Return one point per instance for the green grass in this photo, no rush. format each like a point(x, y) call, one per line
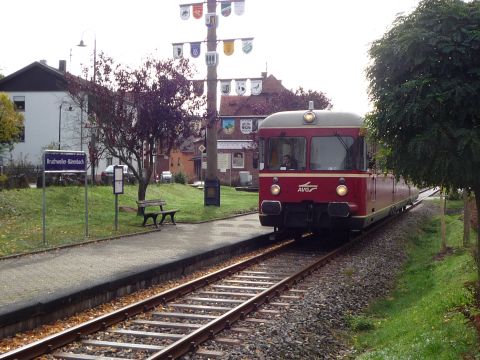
point(422, 318)
point(21, 213)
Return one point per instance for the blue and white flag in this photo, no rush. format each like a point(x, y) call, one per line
point(247, 45)
point(178, 51)
point(256, 86)
point(226, 8)
point(240, 86)
point(184, 12)
point(195, 49)
point(239, 7)
point(225, 86)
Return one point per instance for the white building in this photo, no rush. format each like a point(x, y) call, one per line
point(52, 119)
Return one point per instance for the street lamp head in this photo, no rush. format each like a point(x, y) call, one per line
point(81, 44)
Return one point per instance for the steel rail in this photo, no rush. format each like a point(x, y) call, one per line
point(191, 341)
point(48, 344)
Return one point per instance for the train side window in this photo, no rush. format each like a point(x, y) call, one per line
point(261, 153)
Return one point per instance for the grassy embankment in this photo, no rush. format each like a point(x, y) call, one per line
point(424, 316)
point(21, 213)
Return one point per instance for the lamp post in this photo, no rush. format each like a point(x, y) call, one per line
point(82, 44)
point(60, 121)
point(92, 144)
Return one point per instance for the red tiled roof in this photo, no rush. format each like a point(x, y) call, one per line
point(244, 105)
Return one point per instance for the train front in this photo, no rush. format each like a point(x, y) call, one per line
point(312, 171)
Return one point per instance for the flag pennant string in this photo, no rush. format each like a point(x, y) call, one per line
point(225, 9)
point(226, 86)
point(228, 47)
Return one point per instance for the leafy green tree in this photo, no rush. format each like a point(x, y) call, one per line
point(425, 88)
point(11, 123)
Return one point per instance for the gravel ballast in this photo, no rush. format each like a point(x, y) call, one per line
point(313, 327)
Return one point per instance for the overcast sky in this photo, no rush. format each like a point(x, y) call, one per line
point(317, 44)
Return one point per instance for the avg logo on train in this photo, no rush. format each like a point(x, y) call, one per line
point(307, 187)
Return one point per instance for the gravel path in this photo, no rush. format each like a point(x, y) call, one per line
point(313, 327)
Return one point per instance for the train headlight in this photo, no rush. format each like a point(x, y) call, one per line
point(342, 190)
point(309, 117)
point(275, 189)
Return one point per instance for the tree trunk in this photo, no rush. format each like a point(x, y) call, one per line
point(443, 228)
point(142, 191)
point(466, 219)
point(476, 191)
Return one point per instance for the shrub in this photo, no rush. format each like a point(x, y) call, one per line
point(454, 194)
point(3, 181)
point(180, 178)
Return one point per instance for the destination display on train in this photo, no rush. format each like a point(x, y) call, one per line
point(65, 161)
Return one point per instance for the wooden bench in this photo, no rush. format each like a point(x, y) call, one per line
point(154, 214)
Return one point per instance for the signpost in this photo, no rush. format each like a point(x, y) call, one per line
point(61, 161)
point(201, 148)
point(117, 188)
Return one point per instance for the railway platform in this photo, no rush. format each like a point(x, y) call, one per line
point(41, 287)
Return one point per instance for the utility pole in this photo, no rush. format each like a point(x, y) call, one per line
point(212, 183)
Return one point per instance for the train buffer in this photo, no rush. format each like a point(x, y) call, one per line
point(154, 214)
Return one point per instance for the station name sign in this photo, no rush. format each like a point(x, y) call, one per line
point(65, 161)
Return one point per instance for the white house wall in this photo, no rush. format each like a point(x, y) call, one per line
point(42, 122)
point(41, 128)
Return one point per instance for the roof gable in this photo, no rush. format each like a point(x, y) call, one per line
point(35, 77)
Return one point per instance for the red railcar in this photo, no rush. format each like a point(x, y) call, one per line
point(314, 174)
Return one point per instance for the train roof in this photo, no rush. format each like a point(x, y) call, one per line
point(324, 118)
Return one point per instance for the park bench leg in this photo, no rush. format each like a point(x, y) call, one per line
point(163, 218)
point(172, 215)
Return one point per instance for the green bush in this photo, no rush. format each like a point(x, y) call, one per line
point(180, 178)
point(3, 181)
point(454, 194)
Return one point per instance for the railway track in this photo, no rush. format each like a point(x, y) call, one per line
point(178, 321)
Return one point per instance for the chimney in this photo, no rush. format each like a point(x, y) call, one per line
point(264, 74)
point(43, 61)
point(62, 66)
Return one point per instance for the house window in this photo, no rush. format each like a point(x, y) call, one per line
point(19, 102)
point(178, 162)
point(109, 161)
point(238, 160)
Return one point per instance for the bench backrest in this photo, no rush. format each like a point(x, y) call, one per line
point(145, 203)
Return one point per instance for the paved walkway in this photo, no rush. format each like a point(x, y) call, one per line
point(34, 279)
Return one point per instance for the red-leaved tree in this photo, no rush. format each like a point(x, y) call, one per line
point(289, 100)
point(137, 112)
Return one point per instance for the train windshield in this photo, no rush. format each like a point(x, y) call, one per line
point(286, 153)
point(337, 153)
